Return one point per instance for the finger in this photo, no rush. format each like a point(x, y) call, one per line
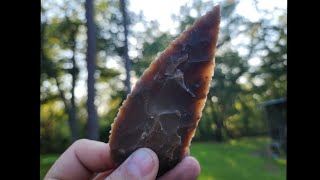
point(103, 175)
point(81, 160)
point(142, 164)
point(187, 169)
point(106, 174)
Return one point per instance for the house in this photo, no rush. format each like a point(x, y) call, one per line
point(276, 114)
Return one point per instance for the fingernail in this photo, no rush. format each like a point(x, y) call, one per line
point(140, 164)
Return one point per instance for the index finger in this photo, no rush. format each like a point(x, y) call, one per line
point(81, 160)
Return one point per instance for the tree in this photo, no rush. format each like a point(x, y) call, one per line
point(226, 91)
point(74, 73)
point(65, 31)
point(126, 56)
point(60, 75)
point(272, 51)
point(93, 131)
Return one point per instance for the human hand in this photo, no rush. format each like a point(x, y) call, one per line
point(87, 159)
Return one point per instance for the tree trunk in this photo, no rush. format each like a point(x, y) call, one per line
point(74, 127)
point(91, 67)
point(126, 56)
point(218, 120)
point(71, 115)
point(70, 110)
point(218, 133)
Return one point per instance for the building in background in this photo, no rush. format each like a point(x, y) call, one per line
point(276, 114)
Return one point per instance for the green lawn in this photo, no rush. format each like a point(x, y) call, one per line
point(46, 162)
point(242, 160)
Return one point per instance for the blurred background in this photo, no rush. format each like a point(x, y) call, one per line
point(93, 53)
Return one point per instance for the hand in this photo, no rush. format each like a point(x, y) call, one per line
point(87, 159)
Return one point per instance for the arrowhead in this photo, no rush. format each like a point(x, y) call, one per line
point(165, 106)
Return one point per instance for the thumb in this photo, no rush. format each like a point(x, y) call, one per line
point(142, 164)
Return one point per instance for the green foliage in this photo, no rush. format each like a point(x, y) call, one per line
point(54, 129)
point(230, 104)
point(106, 74)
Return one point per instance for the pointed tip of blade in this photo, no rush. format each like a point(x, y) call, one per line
point(211, 19)
point(203, 35)
point(217, 7)
point(214, 13)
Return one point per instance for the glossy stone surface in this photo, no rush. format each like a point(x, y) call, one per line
point(165, 106)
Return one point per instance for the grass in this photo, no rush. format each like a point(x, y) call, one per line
point(242, 159)
point(46, 161)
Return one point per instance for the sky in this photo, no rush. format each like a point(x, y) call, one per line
point(162, 10)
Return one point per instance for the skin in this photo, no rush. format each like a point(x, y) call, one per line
point(86, 159)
